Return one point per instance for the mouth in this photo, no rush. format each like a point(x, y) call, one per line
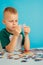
point(13, 26)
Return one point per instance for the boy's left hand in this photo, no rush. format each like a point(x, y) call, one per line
point(26, 29)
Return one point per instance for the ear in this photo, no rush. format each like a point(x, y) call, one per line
point(3, 21)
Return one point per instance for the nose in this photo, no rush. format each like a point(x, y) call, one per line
point(13, 23)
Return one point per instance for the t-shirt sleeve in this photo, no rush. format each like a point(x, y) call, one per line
point(3, 39)
point(23, 38)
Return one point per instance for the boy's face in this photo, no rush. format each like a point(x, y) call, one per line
point(10, 20)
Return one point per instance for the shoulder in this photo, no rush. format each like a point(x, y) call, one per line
point(4, 33)
point(3, 30)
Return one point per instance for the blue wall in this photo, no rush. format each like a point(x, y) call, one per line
point(30, 13)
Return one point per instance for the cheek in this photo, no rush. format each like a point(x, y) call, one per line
point(17, 23)
point(8, 24)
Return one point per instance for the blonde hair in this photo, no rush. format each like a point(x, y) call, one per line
point(11, 10)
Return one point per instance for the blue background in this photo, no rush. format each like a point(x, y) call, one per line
point(31, 13)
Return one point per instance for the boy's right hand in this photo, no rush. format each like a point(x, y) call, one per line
point(17, 30)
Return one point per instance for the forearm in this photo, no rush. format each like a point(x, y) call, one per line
point(27, 43)
point(11, 46)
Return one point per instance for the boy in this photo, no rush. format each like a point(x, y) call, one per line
point(10, 35)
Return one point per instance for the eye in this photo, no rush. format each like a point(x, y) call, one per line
point(11, 21)
point(16, 20)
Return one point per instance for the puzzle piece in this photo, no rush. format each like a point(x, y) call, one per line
point(26, 53)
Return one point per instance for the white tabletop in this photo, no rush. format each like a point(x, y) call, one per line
point(5, 61)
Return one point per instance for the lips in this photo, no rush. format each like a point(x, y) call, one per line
point(13, 27)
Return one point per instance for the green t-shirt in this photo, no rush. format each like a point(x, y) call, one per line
point(4, 37)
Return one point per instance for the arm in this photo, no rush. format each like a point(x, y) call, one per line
point(11, 46)
point(27, 40)
point(27, 43)
point(8, 45)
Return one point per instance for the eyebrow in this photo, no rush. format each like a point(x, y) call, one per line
point(12, 20)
